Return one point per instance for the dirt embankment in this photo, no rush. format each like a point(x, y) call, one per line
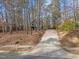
point(70, 41)
point(20, 38)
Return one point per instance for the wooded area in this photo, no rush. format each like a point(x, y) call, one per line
point(23, 15)
point(31, 17)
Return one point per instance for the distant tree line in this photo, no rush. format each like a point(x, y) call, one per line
point(16, 15)
point(29, 15)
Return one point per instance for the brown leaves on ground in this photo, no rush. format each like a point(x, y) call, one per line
point(61, 34)
point(71, 41)
point(20, 38)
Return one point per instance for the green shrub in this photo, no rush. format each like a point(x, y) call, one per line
point(77, 25)
point(67, 25)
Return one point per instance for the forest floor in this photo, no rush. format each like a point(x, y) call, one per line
point(15, 39)
point(48, 48)
point(61, 34)
point(70, 40)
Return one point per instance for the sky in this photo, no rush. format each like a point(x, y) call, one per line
point(48, 2)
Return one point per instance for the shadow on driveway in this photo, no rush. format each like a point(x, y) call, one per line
point(14, 55)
